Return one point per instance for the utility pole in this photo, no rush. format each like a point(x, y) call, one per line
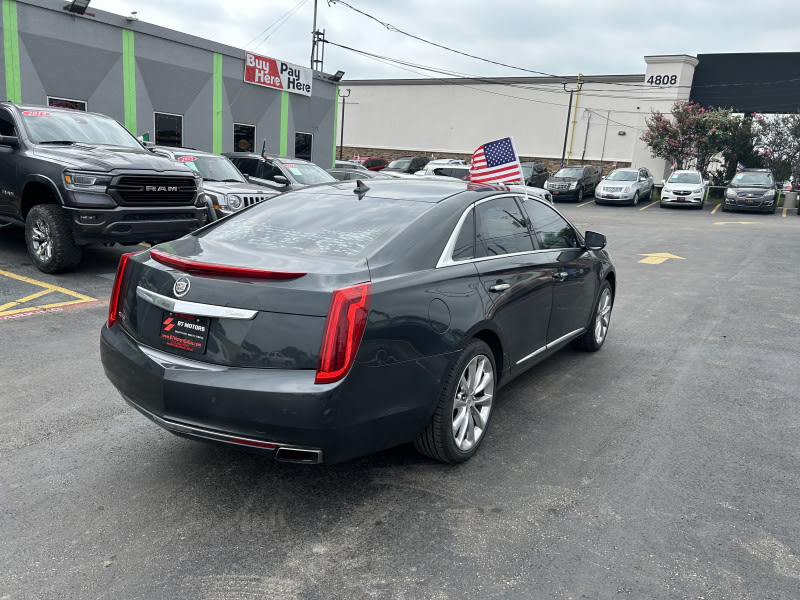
point(578, 86)
point(317, 39)
point(341, 127)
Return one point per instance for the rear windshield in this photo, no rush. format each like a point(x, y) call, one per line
point(322, 224)
point(400, 163)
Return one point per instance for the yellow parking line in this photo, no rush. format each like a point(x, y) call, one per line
point(784, 211)
point(23, 300)
point(585, 203)
point(716, 208)
point(649, 205)
point(48, 288)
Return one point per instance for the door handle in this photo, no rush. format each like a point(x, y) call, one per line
point(560, 276)
point(499, 287)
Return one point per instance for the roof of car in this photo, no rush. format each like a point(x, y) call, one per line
point(281, 159)
point(180, 150)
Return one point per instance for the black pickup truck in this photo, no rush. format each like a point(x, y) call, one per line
point(72, 178)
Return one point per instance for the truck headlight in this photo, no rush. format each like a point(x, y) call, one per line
point(234, 201)
point(86, 182)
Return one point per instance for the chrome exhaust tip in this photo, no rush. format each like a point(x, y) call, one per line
point(298, 455)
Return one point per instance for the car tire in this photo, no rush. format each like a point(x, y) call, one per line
point(650, 193)
point(594, 337)
point(462, 414)
point(702, 204)
point(580, 195)
point(635, 200)
point(49, 239)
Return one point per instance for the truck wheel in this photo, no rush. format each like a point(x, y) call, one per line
point(49, 239)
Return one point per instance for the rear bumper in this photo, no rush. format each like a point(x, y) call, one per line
point(277, 410)
point(126, 225)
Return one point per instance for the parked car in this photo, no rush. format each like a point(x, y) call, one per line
point(684, 188)
point(352, 174)
point(536, 192)
point(625, 186)
point(374, 163)
point(405, 307)
point(450, 168)
point(535, 173)
point(72, 178)
point(407, 164)
point(349, 164)
point(279, 173)
point(223, 184)
point(572, 183)
point(751, 190)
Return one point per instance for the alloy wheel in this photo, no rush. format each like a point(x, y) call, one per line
point(472, 403)
point(603, 316)
point(42, 240)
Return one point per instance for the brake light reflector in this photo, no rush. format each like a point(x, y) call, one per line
point(195, 267)
point(115, 301)
point(347, 318)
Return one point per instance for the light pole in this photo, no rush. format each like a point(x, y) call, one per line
point(569, 113)
point(341, 127)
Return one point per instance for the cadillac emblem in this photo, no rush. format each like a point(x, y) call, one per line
point(181, 287)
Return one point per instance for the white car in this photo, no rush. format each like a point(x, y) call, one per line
point(534, 192)
point(454, 168)
point(626, 186)
point(684, 188)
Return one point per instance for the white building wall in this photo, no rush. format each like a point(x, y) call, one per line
point(455, 116)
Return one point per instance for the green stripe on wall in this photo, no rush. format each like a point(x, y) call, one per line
point(284, 123)
point(216, 125)
point(11, 51)
point(129, 81)
point(335, 125)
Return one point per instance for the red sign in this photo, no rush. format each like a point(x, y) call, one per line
point(35, 113)
point(187, 158)
point(278, 74)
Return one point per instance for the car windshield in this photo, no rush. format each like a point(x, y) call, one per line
point(307, 173)
point(620, 175)
point(685, 178)
point(527, 171)
point(212, 168)
point(760, 178)
point(70, 127)
point(400, 163)
point(570, 172)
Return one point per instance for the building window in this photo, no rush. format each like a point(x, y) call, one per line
point(244, 138)
point(66, 103)
point(302, 145)
point(169, 129)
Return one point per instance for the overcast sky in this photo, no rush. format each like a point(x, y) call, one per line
point(560, 37)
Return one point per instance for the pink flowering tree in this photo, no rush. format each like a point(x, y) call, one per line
point(689, 136)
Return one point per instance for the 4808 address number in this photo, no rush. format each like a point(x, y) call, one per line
point(662, 79)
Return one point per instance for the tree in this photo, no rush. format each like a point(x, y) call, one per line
point(690, 136)
point(777, 140)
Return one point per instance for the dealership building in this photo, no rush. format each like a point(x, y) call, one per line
point(169, 87)
point(176, 89)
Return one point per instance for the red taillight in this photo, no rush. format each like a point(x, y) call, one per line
point(199, 268)
point(115, 302)
point(347, 317)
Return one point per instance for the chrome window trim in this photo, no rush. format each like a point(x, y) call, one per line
point(194, 308)
point(446, 260)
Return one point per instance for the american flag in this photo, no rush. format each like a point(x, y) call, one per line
point(496, 161)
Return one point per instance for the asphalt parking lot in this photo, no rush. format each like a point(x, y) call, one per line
point(664, 466)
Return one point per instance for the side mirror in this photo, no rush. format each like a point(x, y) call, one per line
point(9, 140)
point(603, 177)
point(594, 241)
point(280, 179)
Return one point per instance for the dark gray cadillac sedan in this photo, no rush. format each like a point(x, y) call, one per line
point(343, 319)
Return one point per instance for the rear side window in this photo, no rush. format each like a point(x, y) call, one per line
point(501, 228)
point(550, 228)
point(266, 170)
point(246, 165)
